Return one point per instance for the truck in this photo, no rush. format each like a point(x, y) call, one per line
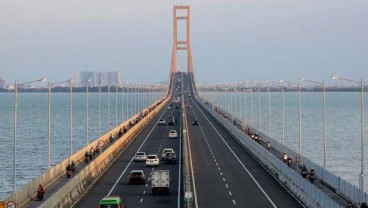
point(160, 182)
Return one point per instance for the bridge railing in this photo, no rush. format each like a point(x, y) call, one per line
point(28, 192)
point(334, 182)
point(301, 188)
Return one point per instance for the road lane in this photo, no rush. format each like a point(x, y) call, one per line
point(225, 172)
point(151, 140)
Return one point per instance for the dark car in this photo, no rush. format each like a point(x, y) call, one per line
point(170, 158)
point(137, 177)
point(172, 121)
point(195, 123)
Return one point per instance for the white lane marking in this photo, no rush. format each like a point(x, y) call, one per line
point(226, 185)
point(146, 185)
point(191, 166)
point(234, 201)
point(219, 168)
point(180, 144)
point(223, 179)
point(230, 193)
point(255, 181)
point(144, 192)
point(216, 164)
point(139, 148)
point(141, 200)
point(220, 173)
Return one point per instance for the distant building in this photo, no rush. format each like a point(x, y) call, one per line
point(105, 78)
point(113, 78)
point(87, 78)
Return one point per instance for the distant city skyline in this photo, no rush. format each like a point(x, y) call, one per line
point(231, 40)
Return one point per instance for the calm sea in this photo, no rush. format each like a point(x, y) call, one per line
point(32, 128)
point(343, 121)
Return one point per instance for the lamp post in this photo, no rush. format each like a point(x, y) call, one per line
point(108, 106)
point(361, 176)
point(99, 107)
point(116, 104)
point(259, 105)
point(87, 110)
point(50, 85)
point(269, 107)
point(299, 115)
point(15, 125)
point(324, 117)
point(283, 109)
point(251, 102)
point(71, 117)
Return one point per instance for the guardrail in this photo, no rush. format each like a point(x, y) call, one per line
point(95, 168)
point(306, 192)
point(332, 181)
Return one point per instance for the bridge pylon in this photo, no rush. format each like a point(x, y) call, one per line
point(181, 44)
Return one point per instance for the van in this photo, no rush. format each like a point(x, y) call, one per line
point(111, 202)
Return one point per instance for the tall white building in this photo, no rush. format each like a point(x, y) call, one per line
point(86, 77)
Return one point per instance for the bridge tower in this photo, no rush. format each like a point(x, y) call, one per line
point(181, 44)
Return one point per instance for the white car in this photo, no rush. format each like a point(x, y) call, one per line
point(161, 121)
point(140, 156)
point(166, 150)
point(152, 160)
point(173, 134)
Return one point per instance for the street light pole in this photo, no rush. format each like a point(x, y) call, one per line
point(283, 109)
point(361, 176)
point(87, 110)
point(324, 118)
point(269, 107)
point(116, 104)
point(99, 107)
point(15, 126)
point(108, 106)
point(50, 85)
point(71, 117)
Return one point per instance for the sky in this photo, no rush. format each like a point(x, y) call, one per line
point(232, 40)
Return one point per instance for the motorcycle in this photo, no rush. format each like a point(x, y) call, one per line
point(86, 158)
point(111, 138)
point(40, 195)
point(304, 173)
point(284, 157)
point(69, 173)
point(289, 162)
point(312, 175)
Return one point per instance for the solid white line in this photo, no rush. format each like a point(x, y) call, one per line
point(191, 166)
point(255, 181)
point(180, 141)
point(121, 175)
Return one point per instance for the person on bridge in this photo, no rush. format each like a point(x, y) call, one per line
point(73, 165)
point(40, 192)
point(111, 138)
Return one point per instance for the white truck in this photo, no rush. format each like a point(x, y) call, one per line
point(160, 181)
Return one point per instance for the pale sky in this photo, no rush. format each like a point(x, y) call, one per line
point(232, 40)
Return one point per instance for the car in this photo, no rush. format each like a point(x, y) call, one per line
point(152, 160)
point(177, 106)
point(140, 156)
point(188, 106)
point(168, 107)
point(166, 150)
point(195, 123)
point(111, 201)
point(173, 134)
point(161, 121)
point(172, 121)
point(137, 177)
point(170, 157)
